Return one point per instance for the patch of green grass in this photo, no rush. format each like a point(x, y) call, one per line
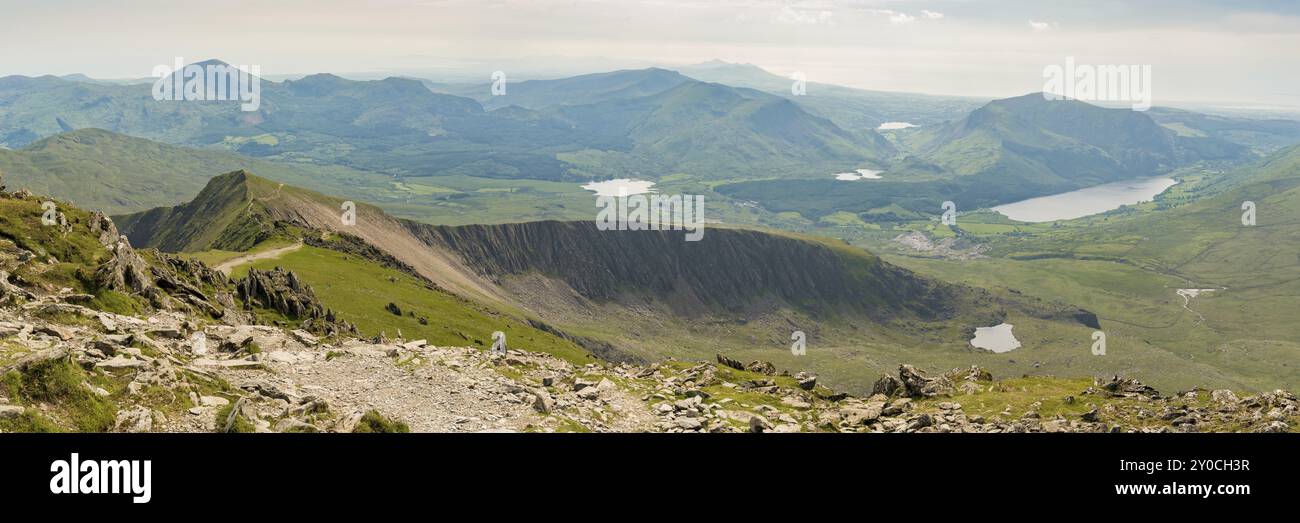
point(448, 315)
point(61, 383)
point(66, 318)
point(374, 422)
point(569, 426)
point(117, 303)
point(29, 421)
point(241, 426)
point(166, 400)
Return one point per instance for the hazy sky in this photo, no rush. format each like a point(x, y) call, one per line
point(1244, 51)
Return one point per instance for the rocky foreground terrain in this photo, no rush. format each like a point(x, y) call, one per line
point(96, 336)
point(98, 370)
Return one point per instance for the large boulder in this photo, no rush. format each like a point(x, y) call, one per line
point(137, 420)
point(762, 367)
point(973, 373)
point(886, 386)
point(728, 362)
point(806, 380)
point(918, 385)
point(1125, 387)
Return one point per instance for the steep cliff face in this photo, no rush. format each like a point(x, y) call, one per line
point(729, 270)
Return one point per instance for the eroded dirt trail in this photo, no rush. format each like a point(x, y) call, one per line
point(229, 265)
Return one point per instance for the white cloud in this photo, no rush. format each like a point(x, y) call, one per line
point(797, 16)
point(932, 15)
point(1041, 26)
point(895, 17)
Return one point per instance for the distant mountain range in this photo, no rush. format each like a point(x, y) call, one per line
point(856, 109)
point(395, 141)
point(399, 127)
point(1005, 151)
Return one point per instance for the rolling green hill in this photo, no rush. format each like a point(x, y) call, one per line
point(1006, 151)
point(117, 174)
point(1128, 267)
point(712, 131)
point(1262, 136)
point(576, 90)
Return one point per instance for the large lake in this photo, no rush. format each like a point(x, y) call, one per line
point(1086, 202)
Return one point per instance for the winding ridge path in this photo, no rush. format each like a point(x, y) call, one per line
point(229, 265)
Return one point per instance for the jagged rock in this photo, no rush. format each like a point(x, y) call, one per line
point(919, 422)
point(281, 291)
point(119, 362)
point(240, 364)
point(10, 329)
point(10, 293)
point(582, 383)
point(688, 423)
point(866, 413)
point(125, 271)
point(806, 380)
point(213, 401)
point(1225, 397)
point(723, 360)
point(10, 411)
point(1274, 427)
point(887, 386)
point(60, 332)
point(271, 390)
point(688, 403)
point(1126, 387)
point(917, 384)
point(1092, 415)
point(897, 407)
point(761, 367)
point(974, 373)
point(309, 405)
point(135, 420)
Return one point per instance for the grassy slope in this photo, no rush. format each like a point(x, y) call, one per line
point(1128, 266)
point(451, 320)
point(118, 174)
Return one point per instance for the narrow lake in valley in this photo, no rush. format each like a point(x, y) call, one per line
point(620, 187)
point(1086, 202)
point(860, 174)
